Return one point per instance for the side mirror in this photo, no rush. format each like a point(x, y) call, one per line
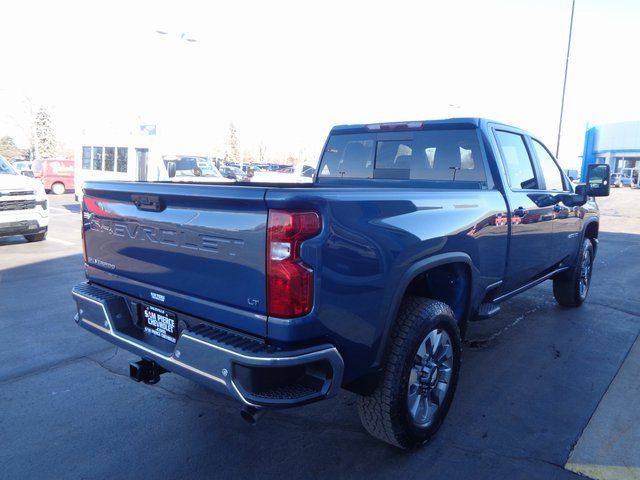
point(598, 180)
point(171, 169)
point(27, 173)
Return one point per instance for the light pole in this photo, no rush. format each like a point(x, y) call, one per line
point(566, 70)
point(173, 44)
point(183, 36)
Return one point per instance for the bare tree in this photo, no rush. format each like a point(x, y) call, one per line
point(8, 148)
point(262, 153)
point(22, 118)
point(232, 154)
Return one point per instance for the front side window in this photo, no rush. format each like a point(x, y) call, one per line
point(6, 168)
point(550, 170)
point(517, 161)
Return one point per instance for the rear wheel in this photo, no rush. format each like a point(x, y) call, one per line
point(58, 188)
point(570, 289)
point(36, 237)
point(419, 378)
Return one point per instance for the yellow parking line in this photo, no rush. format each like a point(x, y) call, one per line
point(605, 472)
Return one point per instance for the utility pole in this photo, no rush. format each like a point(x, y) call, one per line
point(566, 70)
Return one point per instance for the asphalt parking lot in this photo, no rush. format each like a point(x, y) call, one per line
point(542, 389)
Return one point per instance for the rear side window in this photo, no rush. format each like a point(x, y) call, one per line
point(422, 155)
point(550, 170)
point(517, 160)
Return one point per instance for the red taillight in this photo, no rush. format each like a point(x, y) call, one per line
point(289, 280)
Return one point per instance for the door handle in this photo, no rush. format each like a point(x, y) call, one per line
point(520, 212)
point(150, 203)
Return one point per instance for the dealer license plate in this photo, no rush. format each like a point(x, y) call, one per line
point(159, 322)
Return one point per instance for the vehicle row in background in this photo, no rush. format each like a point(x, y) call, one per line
point(626, 177)
point(141, 162)
point(56, 174)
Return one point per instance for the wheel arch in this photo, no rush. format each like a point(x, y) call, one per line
point(590, 231)
point(58, 182)
point(455, 261)
point(458, 262)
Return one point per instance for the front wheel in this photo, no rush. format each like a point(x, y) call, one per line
point(36, 237)
point(58, 188)
point(419, 378)
point(570, 289)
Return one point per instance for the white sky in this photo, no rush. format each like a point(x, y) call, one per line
point(285, 72)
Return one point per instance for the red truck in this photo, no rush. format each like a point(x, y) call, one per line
point(56, 174)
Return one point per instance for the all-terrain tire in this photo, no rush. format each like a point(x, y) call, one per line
point(385, 413)
point(569, 289)
point(36, 237)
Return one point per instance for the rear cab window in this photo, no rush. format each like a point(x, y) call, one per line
point(348, 156)
point(432, 155)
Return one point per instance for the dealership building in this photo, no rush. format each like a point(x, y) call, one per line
point(616, 144)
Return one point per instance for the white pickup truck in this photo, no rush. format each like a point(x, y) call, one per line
point(23, 205)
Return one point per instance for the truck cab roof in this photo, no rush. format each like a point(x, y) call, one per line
point(478, 122)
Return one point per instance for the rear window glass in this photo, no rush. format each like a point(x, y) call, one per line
point(424, 155)
point(348, 156)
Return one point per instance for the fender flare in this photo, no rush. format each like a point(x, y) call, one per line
point(408, 275)
point(586, 224)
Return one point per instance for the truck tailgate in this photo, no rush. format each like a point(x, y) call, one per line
point(199, 249)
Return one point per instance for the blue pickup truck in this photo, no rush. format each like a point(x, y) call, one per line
point(278, 295)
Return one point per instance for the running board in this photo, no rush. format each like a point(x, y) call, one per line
point(487, 310)
point(529, 285)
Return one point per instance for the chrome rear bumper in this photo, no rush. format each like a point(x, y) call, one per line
point(241, 367)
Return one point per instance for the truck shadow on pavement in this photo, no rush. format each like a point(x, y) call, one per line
point(531, 379)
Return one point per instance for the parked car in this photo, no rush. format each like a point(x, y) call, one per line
point(365, 279)
point(23, 205)
point(300, 173)
point(233, 173)
point(186, 168)
point(56, 174)
point(628, 177)
point(616, 179)
point(24, 167)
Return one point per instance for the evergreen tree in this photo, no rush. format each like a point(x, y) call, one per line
point(45, 135)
